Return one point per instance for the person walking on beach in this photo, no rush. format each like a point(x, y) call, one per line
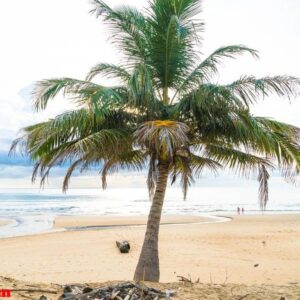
point(238, 210)
point(243, 211)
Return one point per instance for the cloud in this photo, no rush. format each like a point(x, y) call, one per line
point(14, 160)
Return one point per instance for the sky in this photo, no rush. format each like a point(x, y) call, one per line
point(59, 38)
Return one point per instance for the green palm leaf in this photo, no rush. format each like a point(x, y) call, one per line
point(109, 71)
point(83, 92)
point(209, 66)
point(128, 29)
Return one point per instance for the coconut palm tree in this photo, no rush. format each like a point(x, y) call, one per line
point(166, 113)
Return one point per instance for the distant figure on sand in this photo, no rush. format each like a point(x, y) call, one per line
point(238, 210)
point(243, 210)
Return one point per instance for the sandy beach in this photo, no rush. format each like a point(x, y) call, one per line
point(246, 250)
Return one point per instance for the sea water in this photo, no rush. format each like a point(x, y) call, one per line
point(33, 211)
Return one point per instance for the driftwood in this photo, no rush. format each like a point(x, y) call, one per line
point(123, 246)
point(184, 279)
point(124, 291)
point(34, 291)
point(188, 280)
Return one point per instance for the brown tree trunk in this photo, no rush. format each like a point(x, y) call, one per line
point(148, 266)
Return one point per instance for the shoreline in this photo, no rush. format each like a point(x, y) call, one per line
point(94, 222)
point(26, 225)
point(99, 222)
point(211, 251)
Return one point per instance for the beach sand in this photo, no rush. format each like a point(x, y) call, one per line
point(109, 221)
point(249, 250)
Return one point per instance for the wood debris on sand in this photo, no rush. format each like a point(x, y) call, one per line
point(123, 246)
point(124, 291)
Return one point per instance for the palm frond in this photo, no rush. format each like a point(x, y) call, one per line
point(128, 27)
point(132, 160)
point(184, 168)
point(141, 91)
point(199, 163)
point(187, 165)
point(276, 140)
point(83, 92)
point(108, 71)
point(263, 178)
point(69, 174)
point(248, 88)
point(174, 35)
point(209, 66)
point(242, 162)
point(186, 10)
point(152, 176)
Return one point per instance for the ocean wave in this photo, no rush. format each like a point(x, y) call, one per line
point(29, 208)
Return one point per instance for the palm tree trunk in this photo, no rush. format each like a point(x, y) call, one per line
point(166, 95)
point(148, 266)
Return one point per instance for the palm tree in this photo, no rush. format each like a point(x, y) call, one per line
point(167, 113)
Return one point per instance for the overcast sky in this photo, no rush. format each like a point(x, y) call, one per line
point(59, 38)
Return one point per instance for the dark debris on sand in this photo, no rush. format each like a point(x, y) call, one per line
point(124, 291)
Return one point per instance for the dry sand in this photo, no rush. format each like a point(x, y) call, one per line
point(249, 250)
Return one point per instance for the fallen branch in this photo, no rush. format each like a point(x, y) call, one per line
point(185, 279)
point(34, 291)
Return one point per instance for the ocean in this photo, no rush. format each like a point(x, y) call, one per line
point(32, 211)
